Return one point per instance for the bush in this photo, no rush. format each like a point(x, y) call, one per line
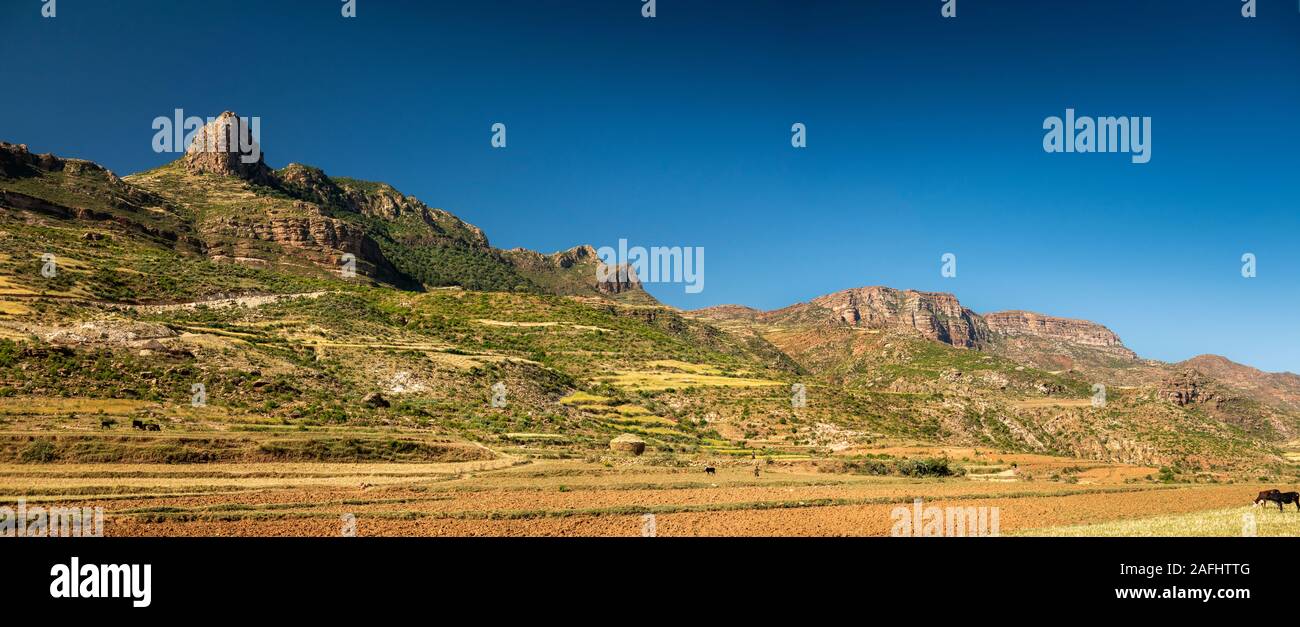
point(932, 467)
point(38, 452)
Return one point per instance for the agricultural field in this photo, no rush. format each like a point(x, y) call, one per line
point(299, 483)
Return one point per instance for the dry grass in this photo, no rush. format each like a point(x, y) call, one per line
point(660, 381)
point(1230, 522)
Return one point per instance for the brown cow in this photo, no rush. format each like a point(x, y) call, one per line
point(1265, 496)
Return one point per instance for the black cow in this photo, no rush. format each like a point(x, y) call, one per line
point(710, 470)
point(1279, 497)
point(153, 427)
point(137, 424)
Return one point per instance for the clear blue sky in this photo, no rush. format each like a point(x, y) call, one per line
point(925, 136)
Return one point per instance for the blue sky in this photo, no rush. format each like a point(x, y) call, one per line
point(924, 136)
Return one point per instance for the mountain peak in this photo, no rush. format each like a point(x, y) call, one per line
point(229, 145)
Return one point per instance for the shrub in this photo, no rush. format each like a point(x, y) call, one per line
point(37, 452)
point(932, 467)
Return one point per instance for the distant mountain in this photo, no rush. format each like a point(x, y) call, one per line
point(908, 346)
point(933, 315)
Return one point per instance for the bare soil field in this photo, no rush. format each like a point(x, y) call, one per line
point(512, 496)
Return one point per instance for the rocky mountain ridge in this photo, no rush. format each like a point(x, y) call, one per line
point(937, 316)
point(224, 202)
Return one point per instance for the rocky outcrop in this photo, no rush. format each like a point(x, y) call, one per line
point(579, 271)
point(375, 400)
point(305, 232)
point(379, 200)
point(1189, 387)
point(324, 239)
point(619, 279)
point(16, 161)
point(1016, 324)
point(227, 146)
point(531, 260)
point(935, 315)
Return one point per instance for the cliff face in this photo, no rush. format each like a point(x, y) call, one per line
point(217, 148)
point(1079, 332)
point(323, 240)
point(935, 315)
point(941, 317)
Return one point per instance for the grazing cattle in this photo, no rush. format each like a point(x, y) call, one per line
point(153, 427)
point(710, 470)
point(1279, 497)
point(1288, 497)
point(137, 424)
point(107, 423)
point(1265, 496)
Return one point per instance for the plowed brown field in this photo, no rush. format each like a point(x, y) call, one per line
point(552, 498)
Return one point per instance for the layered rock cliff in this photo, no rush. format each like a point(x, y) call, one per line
point(1066, 330)
point(935, 315)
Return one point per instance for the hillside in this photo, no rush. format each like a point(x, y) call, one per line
point(1017, 380)
point(119, 295)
